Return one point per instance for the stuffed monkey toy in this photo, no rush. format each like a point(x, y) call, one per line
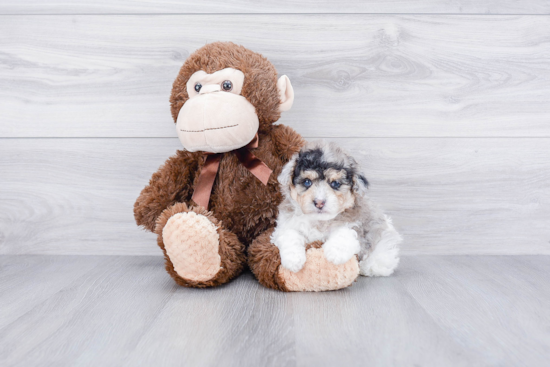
point(214, 204)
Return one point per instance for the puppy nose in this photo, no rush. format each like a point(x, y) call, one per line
point(319, 203)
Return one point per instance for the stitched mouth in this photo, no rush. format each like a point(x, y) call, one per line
point(212, 128)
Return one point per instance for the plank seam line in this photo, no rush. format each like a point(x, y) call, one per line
point(253, 14)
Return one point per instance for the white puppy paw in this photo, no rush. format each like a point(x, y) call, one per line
point(291, 248)
point(293, 259)
point(341, 246)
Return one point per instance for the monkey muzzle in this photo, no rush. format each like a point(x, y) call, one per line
point(216, 121)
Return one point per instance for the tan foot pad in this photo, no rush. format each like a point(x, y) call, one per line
point(318, 274)
point(191, 241)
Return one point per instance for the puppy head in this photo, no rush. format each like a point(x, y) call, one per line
point(322, 180)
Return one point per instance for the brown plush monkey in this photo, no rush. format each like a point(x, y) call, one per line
point(214, 204)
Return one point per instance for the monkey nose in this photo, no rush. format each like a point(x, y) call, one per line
point(209, 88)
point(319, 203)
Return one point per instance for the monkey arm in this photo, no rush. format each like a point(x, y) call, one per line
point(172, 183)
point(287, 141)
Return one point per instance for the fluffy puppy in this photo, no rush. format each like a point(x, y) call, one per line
point(325, 200)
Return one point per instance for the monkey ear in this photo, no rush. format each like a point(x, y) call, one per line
point(286, 93)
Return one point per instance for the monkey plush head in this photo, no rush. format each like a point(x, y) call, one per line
point(224, 94)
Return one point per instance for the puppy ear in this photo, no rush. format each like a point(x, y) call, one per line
point(360, 183)
point(285, 178)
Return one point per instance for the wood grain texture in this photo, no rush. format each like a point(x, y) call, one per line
point(447, 196)
point(281, 6)
point(354, 75)
point(126, 311)
point(29, 281)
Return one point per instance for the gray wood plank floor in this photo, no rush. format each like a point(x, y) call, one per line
point(126, 311)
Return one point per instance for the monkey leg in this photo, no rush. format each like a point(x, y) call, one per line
point(317, 275)
point(199, 252)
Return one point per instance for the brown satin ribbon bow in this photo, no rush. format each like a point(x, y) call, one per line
point(202, 192)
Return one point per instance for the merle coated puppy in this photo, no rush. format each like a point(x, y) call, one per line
point(325, 200)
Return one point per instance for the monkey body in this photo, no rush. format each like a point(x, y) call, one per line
point(223, 96)
point(246, 206)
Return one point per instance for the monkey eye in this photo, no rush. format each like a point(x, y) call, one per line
point(306, 183)
point(227, 85)
point(335, 185)
point(198, 87)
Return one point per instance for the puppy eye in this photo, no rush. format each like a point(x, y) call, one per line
point(227, 85)
point(335, 185)
point(198, 87)
point(306, 183)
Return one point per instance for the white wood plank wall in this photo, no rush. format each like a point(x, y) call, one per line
point(445, 103)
